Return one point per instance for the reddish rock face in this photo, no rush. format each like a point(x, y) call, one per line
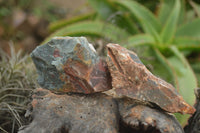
point(130, 78)
point(71, 64)
point(86, 79)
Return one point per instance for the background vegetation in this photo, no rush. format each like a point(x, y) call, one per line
point(17, 81)
point(164, 33)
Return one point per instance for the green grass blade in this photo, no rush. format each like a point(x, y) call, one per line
point(141, 13)
point(187, 81)
point(140, 39)
point(61, 23)
point(169, 29)
point(191, 29)
point(93, 29)
point(3, 130)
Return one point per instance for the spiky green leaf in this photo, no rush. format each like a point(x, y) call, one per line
point(165, 10)
point(110, 13)
point(104, 8)
point(140, 39)
point(61, 23)
point(163, 60)
point(141, 13)
point(93, 29)
point(187, 43)
point(187, 81)
point(149, 29)
point(191, 29)
point(169, 29)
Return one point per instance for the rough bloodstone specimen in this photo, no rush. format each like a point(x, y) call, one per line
point(130, 78)
point(95, 113)
point(70, 64)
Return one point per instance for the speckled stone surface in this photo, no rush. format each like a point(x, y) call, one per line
point(70, 64)
point(130, 78)
point(95, 113)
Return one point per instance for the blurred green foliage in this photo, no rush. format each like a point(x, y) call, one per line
point(164, 34)
point(44, 9)
point(48, 11)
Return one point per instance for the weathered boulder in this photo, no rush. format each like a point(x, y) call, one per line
point(70, 64)
point(95, 113)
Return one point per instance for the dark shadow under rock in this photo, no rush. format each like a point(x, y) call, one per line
point(143, 119)
point(194, 122)
point(95, 113)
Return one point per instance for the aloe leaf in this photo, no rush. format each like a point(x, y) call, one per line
point(183, 12)
point(187, 81)
point(103, 7)
point(169, 29)
point(93, 29)
point(141, 13)
point(149, 29)
point(61, 23)
point(110, 13)
point(187, 43)
point(191, 29)
point(163, 60)
point(189, 47)
point(183, 76)
point(164, 10)
point(140, 39)
point(186, 40)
